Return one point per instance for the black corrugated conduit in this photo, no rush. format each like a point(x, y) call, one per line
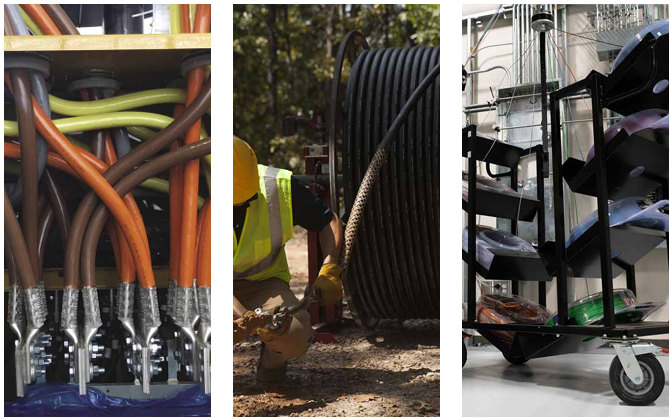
point(392, 113)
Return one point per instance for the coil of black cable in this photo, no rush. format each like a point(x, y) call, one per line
point(394, 270)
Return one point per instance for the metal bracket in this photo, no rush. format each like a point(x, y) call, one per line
point(627, 350)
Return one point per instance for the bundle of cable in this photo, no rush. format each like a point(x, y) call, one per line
point(635, 211)
point(657, 29)
point(656, 119)
point(589, 310)
point(491, 238)
point(504, 309)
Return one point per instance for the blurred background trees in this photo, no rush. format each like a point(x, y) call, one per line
point(283, 59)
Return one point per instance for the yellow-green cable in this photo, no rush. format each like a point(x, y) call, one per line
point(118, 103)
point(193, 6)
point(30, 23)
point(142, 133)
point(175, 16)
point(103, 121)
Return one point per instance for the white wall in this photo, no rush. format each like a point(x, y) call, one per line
point(652, 271)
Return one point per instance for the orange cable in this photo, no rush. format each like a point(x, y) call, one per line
point(187, 250)
point(127, 272)
point(41, 18)
point(204, 269)
point(176, 180)
point(101, 187)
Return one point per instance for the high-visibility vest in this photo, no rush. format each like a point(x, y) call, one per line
point(259, 253)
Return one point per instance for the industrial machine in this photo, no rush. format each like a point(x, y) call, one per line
point(624, 163)
point(107, 163)
point(379, 170)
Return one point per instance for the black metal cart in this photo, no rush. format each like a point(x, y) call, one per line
point(636, 376)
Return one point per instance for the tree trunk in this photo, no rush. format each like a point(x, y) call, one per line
point(272, 61)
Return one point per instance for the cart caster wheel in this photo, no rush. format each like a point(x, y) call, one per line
point(515, 360)
point(465, 355)
point(645, 393)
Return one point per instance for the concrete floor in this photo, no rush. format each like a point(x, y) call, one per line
point(567, 385)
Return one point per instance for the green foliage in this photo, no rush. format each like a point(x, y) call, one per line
point(283, 59)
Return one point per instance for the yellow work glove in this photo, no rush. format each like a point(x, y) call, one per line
point(329, 284)
point(268, 335)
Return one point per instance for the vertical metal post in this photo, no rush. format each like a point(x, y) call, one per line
point(472, 225)
point(469, 88)
point(514, 182)
point(603, 204)
point(559, 216)
point(630, 279)
point(543, 97)
point(541, 217)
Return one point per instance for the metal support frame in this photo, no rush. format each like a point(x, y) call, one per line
point(472, 226)
point(316, 163)
point(594, 82)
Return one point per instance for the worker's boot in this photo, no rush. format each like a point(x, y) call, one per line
point(269, 375)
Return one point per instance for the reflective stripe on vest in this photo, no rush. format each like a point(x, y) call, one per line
point(272, 198)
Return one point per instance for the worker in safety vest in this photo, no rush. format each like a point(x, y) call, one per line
point(267, 204)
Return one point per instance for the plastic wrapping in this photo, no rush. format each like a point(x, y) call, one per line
point(486, 184)
point(491, 238)
point(656, 119)
point(505, 309)
point(64, 400)
point(636, 211)
point(589, 310)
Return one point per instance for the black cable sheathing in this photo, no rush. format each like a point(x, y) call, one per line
point(394, 271)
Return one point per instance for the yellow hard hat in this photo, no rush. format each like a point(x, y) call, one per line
point(245, 171)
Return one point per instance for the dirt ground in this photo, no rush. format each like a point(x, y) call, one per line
point(392, 371)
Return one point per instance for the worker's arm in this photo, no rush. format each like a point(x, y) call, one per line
point(330, 239)
point(328, 283)
point(238, 309)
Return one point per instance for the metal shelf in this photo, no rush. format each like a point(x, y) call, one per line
point(513, 266)
point(636, 165)
point(140, 61)
point(492, 151)
point(647, 62)
point(504, 205)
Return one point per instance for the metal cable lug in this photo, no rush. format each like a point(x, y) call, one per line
point(125, 305)
point(204, 298)
point(19, 370)
point(205, 368)
point(185, 314)
point(149, 314)
point(92, 321)
point(82, 369)
point(16, 315)
point(146, 370)
point(36, 311)
point(69, 311)
point(171, 286)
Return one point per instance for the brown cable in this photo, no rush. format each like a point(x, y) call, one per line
point(124, 186)
point(42, 201)
point(29, 174)
point(61, 19)
point(12, 275)
point(44, 226)
point(18, 247)
point(57, 204)
point(143, 152)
